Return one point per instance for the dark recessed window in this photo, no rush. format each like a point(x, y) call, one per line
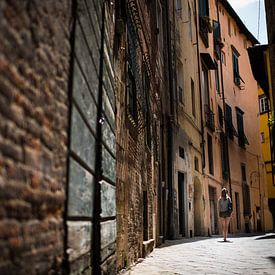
point(236, 72)
point(263, 104)
point(220, 113)
point(193, 98)
point(210, 154)
point(240, 123)
point(181, 152)
point(196, 162)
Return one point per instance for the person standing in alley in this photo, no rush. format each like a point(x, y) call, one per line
point(225, 208)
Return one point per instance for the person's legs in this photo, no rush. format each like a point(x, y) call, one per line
point(223, 227)
point(226, 225)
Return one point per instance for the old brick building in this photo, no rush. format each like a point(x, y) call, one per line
point(101, 159)
point(87, 104)
point(143, 115)
point(57, 142)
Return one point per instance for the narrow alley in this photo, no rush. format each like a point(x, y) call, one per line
point(202, 255)
point(126, 125)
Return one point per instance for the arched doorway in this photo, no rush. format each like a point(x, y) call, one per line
point(198, 208)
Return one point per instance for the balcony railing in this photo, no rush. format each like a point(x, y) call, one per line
point(209, 118)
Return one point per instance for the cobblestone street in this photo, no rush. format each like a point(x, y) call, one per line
point(240, 255)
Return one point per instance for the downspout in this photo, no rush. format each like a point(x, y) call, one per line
point(260, 195)
point(270, 144)
point(96, 236)
point(170, 149)
point(200, 92)
point(224, 108)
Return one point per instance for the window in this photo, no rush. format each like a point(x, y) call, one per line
point(204, 21)
point(178, 7)
point(246, 192)
point(217, 79)
point(196, 163)
point(131, 93)
point(208, 110)
point(262, 137)
point(237, 198)
point(180, 94)
point(220, 113)
point(235, 62)
point(210, 154)
point(181, 152)
point(180, 82)
point(131, 89)
point(205, 85)
point(217, 38)
point(146, 90)
point(263, 104)
point(231, 131)
point(190, 21)
point(224, 156)
point(193, 98)
point(243, 172)
point(203, 8)
point(241, 135)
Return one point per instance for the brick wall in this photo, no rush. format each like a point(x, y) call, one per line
point(34, 68)
point(134, 157)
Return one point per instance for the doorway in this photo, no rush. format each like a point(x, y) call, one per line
point(181, 201)
point(213, 210)
point(198, 207)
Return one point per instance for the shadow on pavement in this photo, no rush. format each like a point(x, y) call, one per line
point(259, 236)
point(269, 236)
point(182, 241)
point(272, 259)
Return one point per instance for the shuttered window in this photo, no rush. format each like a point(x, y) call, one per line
point(235, 62)
point(203, 8)
point(240, 124)
point(229, 123)
point(224, 156)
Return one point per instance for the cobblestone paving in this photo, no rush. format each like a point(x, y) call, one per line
point(241, 255)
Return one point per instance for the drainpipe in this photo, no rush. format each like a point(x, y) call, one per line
point(270, 144)
point(96, 236)
point(170, 128)
point(260, 195)
point(200, 92)
point(224, 108)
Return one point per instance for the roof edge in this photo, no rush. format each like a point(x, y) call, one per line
point(239, 22)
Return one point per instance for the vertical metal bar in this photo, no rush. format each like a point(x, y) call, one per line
point(96, 236)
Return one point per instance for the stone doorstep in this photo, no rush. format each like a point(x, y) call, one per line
point(147, 247)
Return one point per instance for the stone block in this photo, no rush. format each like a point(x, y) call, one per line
point(81, 191)
point(108, 200)
point(79, 239)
